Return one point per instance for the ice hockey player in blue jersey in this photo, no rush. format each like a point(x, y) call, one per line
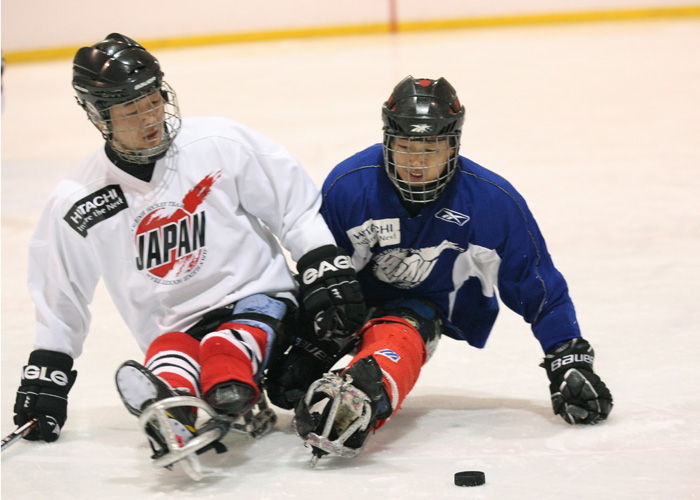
point(432, 236)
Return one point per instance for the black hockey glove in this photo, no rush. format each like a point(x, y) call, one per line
point(43, 393)
point(578, 394)
point(331, 293)
point(305, 362)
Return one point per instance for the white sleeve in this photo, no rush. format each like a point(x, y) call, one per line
point(275, 188)
point(63, 274)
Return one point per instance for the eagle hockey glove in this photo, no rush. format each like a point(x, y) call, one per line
point(331, 293)
point(43, 393)
point(578, 394)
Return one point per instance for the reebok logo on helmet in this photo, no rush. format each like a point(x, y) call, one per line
point(421, 128)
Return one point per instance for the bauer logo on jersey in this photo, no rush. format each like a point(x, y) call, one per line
point(384, 231)
point(451, 216)
point(95, 207)
point(170, 237)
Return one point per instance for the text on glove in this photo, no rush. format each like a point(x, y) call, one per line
point(339, 262)
point(572, 358)
point(44, 373)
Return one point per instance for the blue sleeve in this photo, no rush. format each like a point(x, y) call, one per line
point(332, 211)
point(528, 282)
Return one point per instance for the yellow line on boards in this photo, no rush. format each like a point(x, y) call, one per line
point(331, 31)
point(198, 41)
point(554, 18)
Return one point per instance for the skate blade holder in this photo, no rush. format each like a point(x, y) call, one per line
point(258, 420)
point(358, 404)
point(184, 453)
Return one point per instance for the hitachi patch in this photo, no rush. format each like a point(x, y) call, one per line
point(95, 208)
point(386, 232)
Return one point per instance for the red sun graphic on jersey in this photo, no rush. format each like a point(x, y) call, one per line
point(170, 237)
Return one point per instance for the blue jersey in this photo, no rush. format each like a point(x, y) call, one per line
point(478, 236)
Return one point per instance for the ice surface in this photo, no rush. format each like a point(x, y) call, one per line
point(598, 125)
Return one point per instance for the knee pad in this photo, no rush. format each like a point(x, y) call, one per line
point(421, 314)
point(269, 315)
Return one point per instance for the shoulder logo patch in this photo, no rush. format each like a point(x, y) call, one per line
point(451, 216)
point(95, 208)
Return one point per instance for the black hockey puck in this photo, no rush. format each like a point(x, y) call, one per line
point(470, 478)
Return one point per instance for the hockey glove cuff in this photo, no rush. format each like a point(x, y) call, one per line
point(331, 293)
point(43, 393)
point(578, 394)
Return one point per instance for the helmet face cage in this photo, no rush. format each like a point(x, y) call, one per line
point(420, 167)
point(422, 128)
point(142, 129)
point(120, 86)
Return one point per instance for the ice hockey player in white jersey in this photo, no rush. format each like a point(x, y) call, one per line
point(179, 218)
point(432, 236)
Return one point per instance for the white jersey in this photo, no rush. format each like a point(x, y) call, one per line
point(198, 236)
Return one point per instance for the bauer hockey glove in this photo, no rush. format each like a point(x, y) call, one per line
point(331, 293)
point(43, 393)
point(578, 394)
point(306, 361)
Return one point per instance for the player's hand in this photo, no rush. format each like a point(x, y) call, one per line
point(43, 394)
point(289, 377)
point(578, 394)
point(330, 293)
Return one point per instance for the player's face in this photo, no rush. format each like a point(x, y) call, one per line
point(420, 161)
point(138, 124)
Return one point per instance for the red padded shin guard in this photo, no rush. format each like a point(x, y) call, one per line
point(400, 352)
point(174, 357)
point(233, 352)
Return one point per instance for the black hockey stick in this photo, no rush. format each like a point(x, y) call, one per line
point(18, 434)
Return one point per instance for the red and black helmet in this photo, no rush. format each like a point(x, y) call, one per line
point(428, 113)
point(423, 107)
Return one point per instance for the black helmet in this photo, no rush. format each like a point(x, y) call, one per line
point(421, 107)
point(118, 70)
point(425, 111)
point(114, 71)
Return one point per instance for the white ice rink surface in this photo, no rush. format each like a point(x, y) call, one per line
point(598, 125)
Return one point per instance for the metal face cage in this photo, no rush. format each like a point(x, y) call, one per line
point(142, 129)
point(420, 167)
